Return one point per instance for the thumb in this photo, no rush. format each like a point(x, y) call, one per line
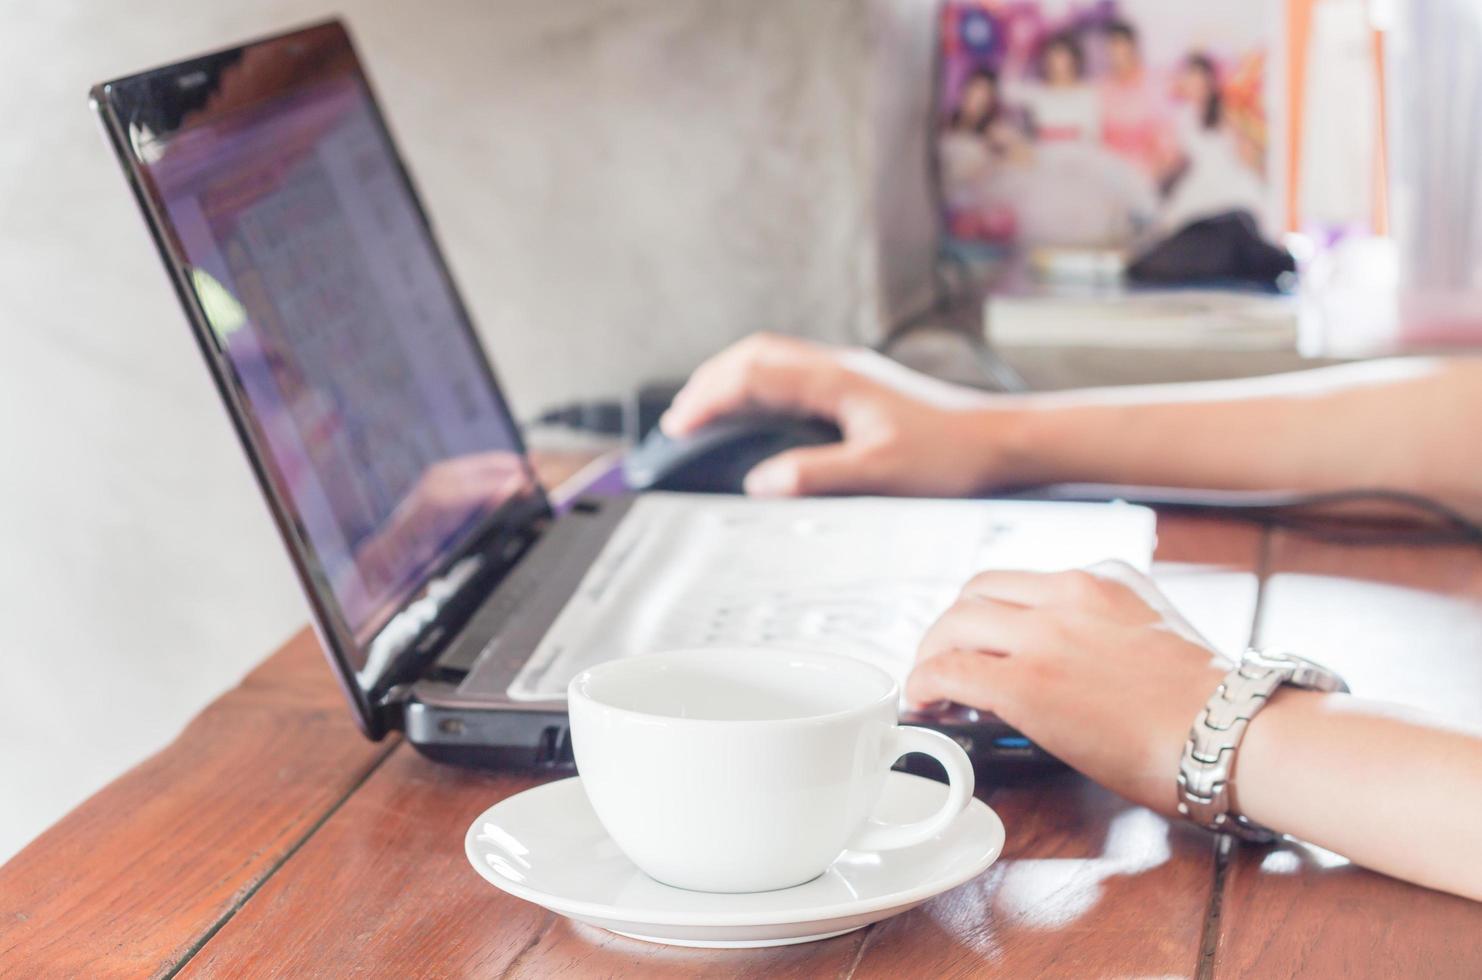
point(834, 468)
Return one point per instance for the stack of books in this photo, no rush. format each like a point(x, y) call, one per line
point(1162, 319)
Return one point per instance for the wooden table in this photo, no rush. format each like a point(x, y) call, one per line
point(271, 839)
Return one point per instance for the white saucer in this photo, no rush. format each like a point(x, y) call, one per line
point(546, 846)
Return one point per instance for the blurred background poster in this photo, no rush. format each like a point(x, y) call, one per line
point(1107, 124)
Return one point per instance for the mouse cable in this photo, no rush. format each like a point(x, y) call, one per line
point(1290, 510)
point(606, 417)
point(631, 417)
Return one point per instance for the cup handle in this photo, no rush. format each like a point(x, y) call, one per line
point(875, 836)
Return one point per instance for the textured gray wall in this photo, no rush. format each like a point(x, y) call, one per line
point(625, 186)
point(622, 188)
point(902, 221)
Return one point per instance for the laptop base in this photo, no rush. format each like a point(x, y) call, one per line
point(460, 712)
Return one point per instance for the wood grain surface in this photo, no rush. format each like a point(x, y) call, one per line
point(390, 889)
point(130, 882)
point(1404, 625)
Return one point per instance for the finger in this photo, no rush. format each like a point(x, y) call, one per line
point(979, 680)
point(778, 373)
point(984, 625)
point(836, 468)
point(1031, 588)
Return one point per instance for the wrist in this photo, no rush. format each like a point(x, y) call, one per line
point(1003, 440)
point(1215, 767)
point(1271, 750)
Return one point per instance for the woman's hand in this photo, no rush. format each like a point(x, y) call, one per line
point(1095, 666)
point(904, 433)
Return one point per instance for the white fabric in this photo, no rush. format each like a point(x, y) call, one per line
point(1216, 181)
point(1340, 112)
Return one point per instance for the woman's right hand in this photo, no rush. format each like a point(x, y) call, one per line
point(904, 433)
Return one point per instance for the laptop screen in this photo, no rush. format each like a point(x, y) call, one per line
point(369, 402)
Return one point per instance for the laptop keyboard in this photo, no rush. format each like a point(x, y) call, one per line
point(862, 577)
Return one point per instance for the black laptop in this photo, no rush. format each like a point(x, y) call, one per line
point(452, 602)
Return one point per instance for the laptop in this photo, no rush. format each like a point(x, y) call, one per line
point(453, 602)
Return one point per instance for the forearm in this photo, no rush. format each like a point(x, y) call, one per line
point(1405, 424)
point(1384, 787)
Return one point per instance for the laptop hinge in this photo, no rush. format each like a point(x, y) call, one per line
point(417, 635)
point(391, 708)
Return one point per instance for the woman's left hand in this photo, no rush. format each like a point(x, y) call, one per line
point(1094, 666)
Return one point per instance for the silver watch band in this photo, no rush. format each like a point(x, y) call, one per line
point(1205, 771)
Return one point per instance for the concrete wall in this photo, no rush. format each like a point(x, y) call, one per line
point(903, 221)
point(622, 186)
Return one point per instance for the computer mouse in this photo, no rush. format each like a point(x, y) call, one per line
point(716, 458)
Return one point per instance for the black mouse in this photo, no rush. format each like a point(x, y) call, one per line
point(716, 458)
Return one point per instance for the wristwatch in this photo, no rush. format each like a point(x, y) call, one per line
point(1204, 772)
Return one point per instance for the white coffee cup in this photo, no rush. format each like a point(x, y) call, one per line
point(745, 769)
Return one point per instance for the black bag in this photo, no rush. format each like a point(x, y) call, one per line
point(1221, 248)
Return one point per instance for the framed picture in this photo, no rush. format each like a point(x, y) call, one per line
point(1104, 124)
